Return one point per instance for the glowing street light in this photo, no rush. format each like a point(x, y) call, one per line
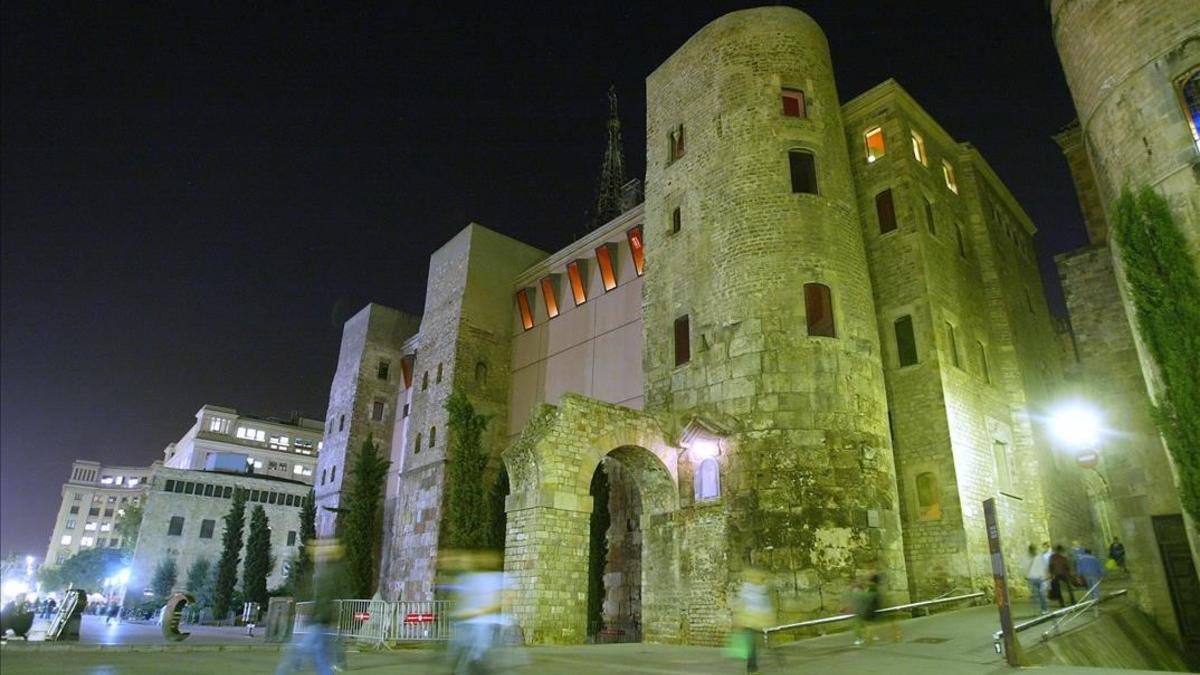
point(1077, 426)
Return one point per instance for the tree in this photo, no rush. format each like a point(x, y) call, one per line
point(1164, 287)
point(363, 517)
point(258, 558)
point(200, 582)
point(300, 579)
point(87, 570)
point(468, 521)
point(231, 551)
point(128, 526)
point(165, 575)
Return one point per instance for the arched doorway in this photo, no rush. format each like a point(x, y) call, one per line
point(614, 555)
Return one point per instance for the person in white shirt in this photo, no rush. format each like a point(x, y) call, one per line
point(1038, 571)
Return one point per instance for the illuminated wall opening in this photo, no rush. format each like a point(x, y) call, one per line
point(873, 140)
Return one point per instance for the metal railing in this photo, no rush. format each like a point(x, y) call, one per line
point(381, 622)
point(1061, 617)
point(940, 600)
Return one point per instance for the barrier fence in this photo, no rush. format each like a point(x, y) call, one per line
point(380, 621)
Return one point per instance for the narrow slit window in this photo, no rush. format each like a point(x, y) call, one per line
point(432, 436)
point(948, 173)
point(676, 147)
point(906, 341)
point(876, 148)
point(962, 241)
point(918, 144)
point(636, 249)
point(550, 295)
point(676, 220)
point(804, 172)
point(525, 308)
point(793, 103)
point(929, 219)
point(575, 276)
point(985, 371)
point(417, 445)
point(683, 336)
point(604, 260)
point(885, 210)
point(952, 345)
point(818, 310)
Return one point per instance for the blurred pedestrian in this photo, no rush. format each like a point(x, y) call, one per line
point(866, 601)
point(480, 626)
point(1116, 553)
point(1060, 576)
point(752, 612)
point(112, 614)
point(1037, 571)
point(51, 608)
point(318, 647)
point(1092, 571)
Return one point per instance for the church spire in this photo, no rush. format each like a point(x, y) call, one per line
point(609, 203)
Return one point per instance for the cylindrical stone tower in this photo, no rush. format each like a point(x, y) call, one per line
point(755, 258)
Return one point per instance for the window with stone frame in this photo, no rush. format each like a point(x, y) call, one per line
point(207, 526)
point(417, 444)
point(708, 480)
point(481, 372)
point(676, 219)
point(906, 341)
point(381, 370)
point(803, 168)
point(432, 436)
point(874, 143)
point(885, 211)
point(377, 408)
point(794, 104)
point(929, 497)
point(676, 145)
point(1005, 471)
point(175, 527)
point(683, 340)
point(818, 310)
point(291, 538)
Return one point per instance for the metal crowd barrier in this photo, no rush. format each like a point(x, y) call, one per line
point(380, 621)
point(1060, 617)
point(940, 600)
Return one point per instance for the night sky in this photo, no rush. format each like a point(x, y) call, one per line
point(195, 199)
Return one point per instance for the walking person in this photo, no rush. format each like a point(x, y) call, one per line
point(1116, 553)
point(752, 613)
point(1092, 571)
point(1060, 576)
point(1037, 571)
point(318, 647)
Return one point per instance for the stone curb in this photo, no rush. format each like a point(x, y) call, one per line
point(35, 647)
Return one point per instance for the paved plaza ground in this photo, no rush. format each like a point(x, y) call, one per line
point(945, 644)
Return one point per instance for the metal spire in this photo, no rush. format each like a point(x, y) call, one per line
point(612, 169)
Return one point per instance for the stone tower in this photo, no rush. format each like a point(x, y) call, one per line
point(759, 320)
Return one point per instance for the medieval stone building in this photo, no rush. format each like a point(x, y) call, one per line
point(816, 346)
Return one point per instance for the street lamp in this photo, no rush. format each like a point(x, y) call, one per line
point(1077, 426)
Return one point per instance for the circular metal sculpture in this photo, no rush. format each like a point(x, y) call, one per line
point(16, 616)
point(173, 615)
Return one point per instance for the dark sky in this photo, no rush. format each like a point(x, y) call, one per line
point(195, 199)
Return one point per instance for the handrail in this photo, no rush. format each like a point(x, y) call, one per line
point(1064, 614)
point(941, 599)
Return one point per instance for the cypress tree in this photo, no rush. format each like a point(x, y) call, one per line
point(363, 517)
point(598, 524)
point(466, 521)
point(302, 571)
point(199, 582)
point(1165, 290)
point(231, 552)
point(163, 582)
point(258, 558)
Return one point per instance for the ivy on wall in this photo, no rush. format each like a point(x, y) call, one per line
point(1165, 290)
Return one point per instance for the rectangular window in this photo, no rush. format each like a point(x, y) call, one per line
point(208, 490)
point(170, 486)
point(952, 344)
point(65, 540)
point(280, 443)
point(273, 498)
point(885, 211)
point(176, 526)
point(676, 220)
point(549, 295)
point(818, 310)
point(962, 242)
point(929, 220)
point(291, 540)
point(228, 491)
point(206, 528)
point(948, 173)
point(87, 541)
point(105, 527)
point(676, 147)
point(635, 249)
point(108, 513)
point(403, 414)
point(906, 341)
point(793, 103)
point(381, 370)
point(873, 139)
point(804, 172)
point(70, 525)
point(683, 337)
point(74, 509)
point(525, 308)
point(918, 144)
point(984, 370)
point(95, 510)
point(89, 526)
point(575, 277)
point(605, 260)
point(1004, 467)
point(377, 410)
point(189, 487)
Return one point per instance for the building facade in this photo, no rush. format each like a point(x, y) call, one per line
point(93, 500)
point(1134, 74)
point(814, 349)
point(273, 447)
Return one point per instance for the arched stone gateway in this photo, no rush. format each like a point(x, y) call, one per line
point(551, 467)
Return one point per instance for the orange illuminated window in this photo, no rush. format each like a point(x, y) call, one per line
point(525, 309)
point(818, 309)
point(793, 103)
point(636, 249)
point(406, 367)
point(575, 276)
point(604, 259)
point(550, 294)
point(875, 144)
